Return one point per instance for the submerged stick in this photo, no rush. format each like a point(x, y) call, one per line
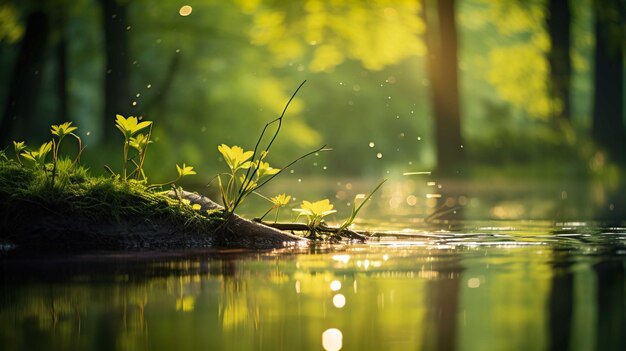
point(301, 227)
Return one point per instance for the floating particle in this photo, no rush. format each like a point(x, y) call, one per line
point(185, 10)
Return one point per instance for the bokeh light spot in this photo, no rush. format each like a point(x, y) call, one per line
point(332, 339)
point(185, 10)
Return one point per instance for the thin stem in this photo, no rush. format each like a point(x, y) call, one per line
point(125, 158)
point(276, 218)
point(322, 148)
point(247, 178)
point(80, 148)
point(241, 196)
point(266, 212)
point(142, 156)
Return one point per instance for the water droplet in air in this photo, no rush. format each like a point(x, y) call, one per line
point(149, 86)
point(299, 180)
point(138, 95)
point(379, 155)
point(419, 138)
point(292, 171)
point(371, 144)
point(134, 103)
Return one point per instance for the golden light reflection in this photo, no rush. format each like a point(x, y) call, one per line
point(298, 289)
point(186, 304)
point(411, 200)
point(339, 301)
point(185, 10)
point(332, 339)
point(341, 258)
point(335, 285)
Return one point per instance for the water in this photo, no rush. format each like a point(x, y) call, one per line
point(515, 285)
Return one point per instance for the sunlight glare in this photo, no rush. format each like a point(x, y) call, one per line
point(335, 285)
point(341, 258)
point(332, 339)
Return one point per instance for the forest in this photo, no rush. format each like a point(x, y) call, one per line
point(466, 87)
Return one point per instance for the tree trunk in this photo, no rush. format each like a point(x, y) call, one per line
point(117, 94)
point(443, 72)
point(558, 22)
point(25, 83)
point(62, 75)
point(608, 105)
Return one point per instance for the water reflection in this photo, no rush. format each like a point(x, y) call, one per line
point(492, 288)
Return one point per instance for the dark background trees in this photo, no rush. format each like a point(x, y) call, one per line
point(394, 86)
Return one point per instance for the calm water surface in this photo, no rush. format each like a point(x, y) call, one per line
point(495, 285)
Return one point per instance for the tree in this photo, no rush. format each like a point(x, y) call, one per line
point(116, 91)
point(558, 21)
point(443, 71)
point(608, 104)
point(26, 77)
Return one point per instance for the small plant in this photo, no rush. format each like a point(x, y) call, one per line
point(18, 147)
point(183, 171)
point(315, 213)
point(38, 156)
point(278, 201)
point(257, 171)
point(61, 131)
point(238, 187)
point(355, 209)
point(129, 127)
point(140, 143)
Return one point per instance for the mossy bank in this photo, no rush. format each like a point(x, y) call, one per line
point(79, 212)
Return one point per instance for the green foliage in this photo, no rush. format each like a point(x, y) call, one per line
point(18, 147)
point(38, 156)
point(92, 198)
point(129, 127)
point(238, 186)
point(315, 212)
point(278, 201)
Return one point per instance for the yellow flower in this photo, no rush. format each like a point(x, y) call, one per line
point(251, 183)
point(264, 169)
point(139, 142)
point(19, 146)
point(63, 129)
point(280, 200)
point(130, 126)
point(315, 211)
point(185, 170)
point(235, 157)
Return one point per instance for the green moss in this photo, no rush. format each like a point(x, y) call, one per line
point(26, 192)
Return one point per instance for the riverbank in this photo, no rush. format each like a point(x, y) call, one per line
point(79, 212)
